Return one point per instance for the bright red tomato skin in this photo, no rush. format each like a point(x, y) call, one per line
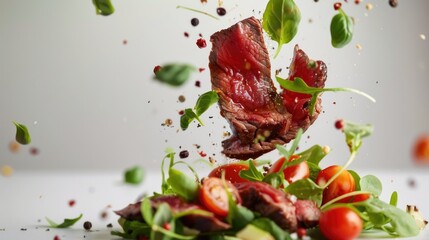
point(361, 197)
point(340, 223)
point(343, 184)
point(213, 195)
point(231, 170)
point(292, 173)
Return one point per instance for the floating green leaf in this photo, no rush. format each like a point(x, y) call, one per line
point(67, 222)
point(134, 175)
point(175, 74)
point(341, 29)
point(103, 7)
point(203, 103)
point(22, 135)
point(280, 21)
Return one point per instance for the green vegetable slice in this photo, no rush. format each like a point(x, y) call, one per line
point(65, 224)
point(22, 135)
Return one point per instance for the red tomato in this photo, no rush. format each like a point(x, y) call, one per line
point(343, 184)
point(340, 223)
point(361, 197)
point(421, 149)
point(214, 196)
point(292, 173)
point(231, 170)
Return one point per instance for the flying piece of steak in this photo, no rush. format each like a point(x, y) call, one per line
point(241, 74)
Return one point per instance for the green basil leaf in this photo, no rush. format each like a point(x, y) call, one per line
point(174, 74)
point(271, 227)
point(298, 85)
point(306, 189)
point(402, 223)
point(183, 185)
point(371, 184)
point(280, 21)
point(205, 101)
point(22, 136)
point(134, 175)
point(341, 29)
point(103, 7)
point(65, 224)
point(252, 174)
point(187, 117)
point(394, 199)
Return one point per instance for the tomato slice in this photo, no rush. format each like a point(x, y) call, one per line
point(292, 173)
point(343, 184)
point(214, 196)
point(340, 223)
point(231, 171)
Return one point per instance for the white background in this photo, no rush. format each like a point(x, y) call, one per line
point(90, 101)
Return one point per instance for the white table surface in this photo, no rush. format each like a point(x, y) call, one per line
point(26, 198)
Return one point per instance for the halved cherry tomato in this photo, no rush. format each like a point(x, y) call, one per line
point(421, 149)
point(340, 223)
point(291, 173)
point(213, 195)
point(343, 184)
point(361, 197)
point(231, 170)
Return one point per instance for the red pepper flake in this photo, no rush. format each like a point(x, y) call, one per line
point(201, 69)
point(339, 124)
point(202, 154)
point(125, 42)
point(104, 215)
point(337, 6)
point(34, 151)
point(393, 3)
point(181, 112)
point(156, 69)
point(357, 1)
point(201, 43)
point(56, 237)
point(197, 83)
point(167, 226)
point(72, 203)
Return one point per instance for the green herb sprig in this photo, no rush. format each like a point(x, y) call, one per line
point(65, 224)
point(298, 85)
point(203, 103)
point(280, 21)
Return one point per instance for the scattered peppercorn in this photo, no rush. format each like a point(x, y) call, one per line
point(201, 69)
point(201, 43)
point(197, 83)
point(87, 225)
point(104, 215)
point(182, 98)
point(109, 225)
point(124, 42)
point(72, 203)
point(56, 237)
point(34, 151)
point(221, 11)
point(186, 34)
point(393, 3)
point(357, 1)
point(184, 154)
point(14, 146)
point(181, 112)
point(195, 22)
point(337, 6)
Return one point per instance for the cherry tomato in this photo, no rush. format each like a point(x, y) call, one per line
point(292, 173)
point(361, 197)
point(343, 184)
point(340, 223)
point(231, 170)
point(421, 149)
point(213, 195)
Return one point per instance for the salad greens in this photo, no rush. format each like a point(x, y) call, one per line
point(203, 103)
point(280, 21)
point(174, 74)
point(341, 29)
point(65, 224)
point(298, 85)
point(134, 175)
point(103, 7)
point(22, 135)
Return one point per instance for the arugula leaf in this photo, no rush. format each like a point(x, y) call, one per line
point(252, 174)
point(134, 175)
point(354, 134)
point(175, 74)
point(182, 184)
point(22, 135)
point(371, 183)
point(204, 102)
point(313, 156)
point(65, 224)
point(275, 179)
point(103, 7)
point(271, 227)
point(306, 189)
point(298, 85)
point(341, 29)
point(280, 21)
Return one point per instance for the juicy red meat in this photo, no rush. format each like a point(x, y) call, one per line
point(241, 75)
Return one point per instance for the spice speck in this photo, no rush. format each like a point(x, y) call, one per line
point(87, 225)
